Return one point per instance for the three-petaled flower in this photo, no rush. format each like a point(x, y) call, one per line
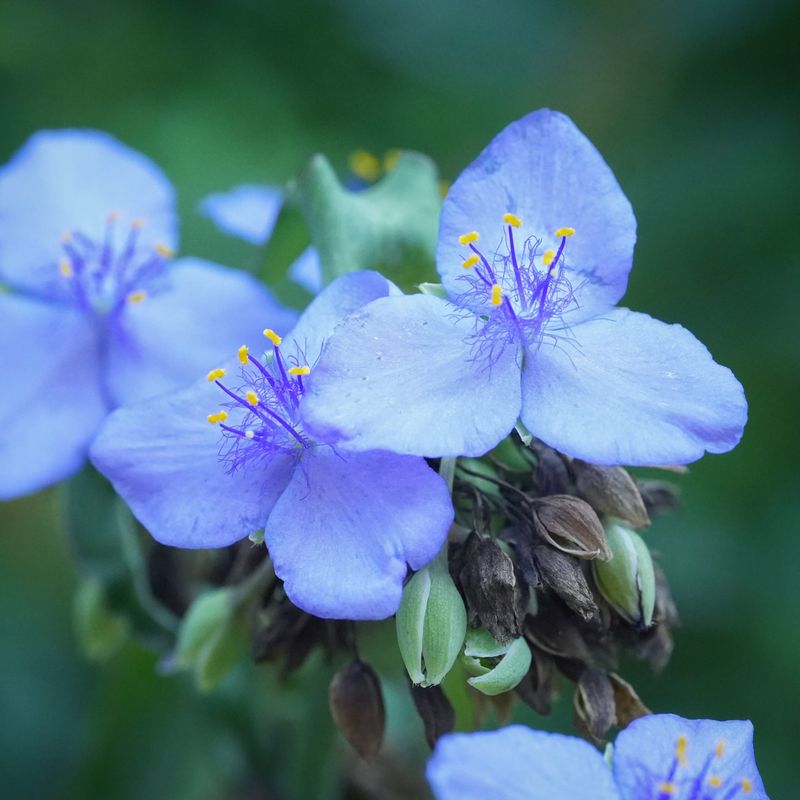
point(211, 464)
point(657, 757)
point(535, 245)
point(100, 315)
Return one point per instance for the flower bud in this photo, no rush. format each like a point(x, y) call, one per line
point(570, 525)
point(357, 708)
point(210, 639)
point(627, 580)
point(496, 668)
point(431, 624)
point(611, 491)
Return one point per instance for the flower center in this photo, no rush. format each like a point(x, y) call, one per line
point(259, 417)
point(522, 287)
point(681, 783)
point(102, 276)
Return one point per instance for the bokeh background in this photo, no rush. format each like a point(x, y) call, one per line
point(695, 106)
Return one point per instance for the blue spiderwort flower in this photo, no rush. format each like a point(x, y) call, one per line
point(340, 527)
point(249, 212)
point(535, 245)
point(658, 757)
point(99, 315)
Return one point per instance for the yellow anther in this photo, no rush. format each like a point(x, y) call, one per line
point(66, 237)
point(512, 219)
point(548, 256)
point(497, 294)
point(667, 788)
point(163, 250)
point(365, 165)
point(113, 216)
point(719, 750)
point(272, 336)
point(248, 434)
point(680, 751)
point(390, 159)
point(220, 416)
point(215, 374)
point(65, 268)
point(243, 354)
point(565, 232)
point(252, 397)
point(714, 781)
point(136, 297)
point(747, 785)
point(470, 262)
point(468, 238)
point(137, 224)
point(305, 370)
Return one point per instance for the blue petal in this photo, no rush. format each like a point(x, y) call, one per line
point(249, 211)
point(544, 170)
point(162, 457)
point(517, 763)
point(71, 180)
point(628, 389)
point(202, 315)
point(343, 531)
point(342, 297)
point(306, 271)
point(645, 755)
point(403, 375)
point(52, 403)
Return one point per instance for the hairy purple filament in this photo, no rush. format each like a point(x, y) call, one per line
point(536, 295)
point(101, 276)
point(271, 425)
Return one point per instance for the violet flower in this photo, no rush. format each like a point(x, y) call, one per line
point(535, 245)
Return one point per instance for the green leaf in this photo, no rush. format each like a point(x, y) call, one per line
point(390, 227)
point(100, 632)
point(109, 549)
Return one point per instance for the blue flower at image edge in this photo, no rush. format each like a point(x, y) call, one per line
point(249, 211)
point(213, 463)
point(658, 757)
point(98, 315)
point(535, 246)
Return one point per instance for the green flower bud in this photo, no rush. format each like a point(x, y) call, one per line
point(210, 639)
point(431, 624)
point(627, 580)
point(101, 633)
point(495, 668)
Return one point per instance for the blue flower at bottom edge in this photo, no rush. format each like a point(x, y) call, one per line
point(535, 245)
point(213, 463)
point(99, 315)
point(658, 757)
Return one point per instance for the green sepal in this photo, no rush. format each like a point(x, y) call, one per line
point(431, 624)
point(391, 226)
point(512, 667)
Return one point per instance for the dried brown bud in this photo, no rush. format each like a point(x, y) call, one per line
point(563, 574)
point(554, 629)
point(570, 525)
point(495, 600)
point(658, 496)
point(628, 704)
point(356, 705)
point(538, 687)
point(552, 475)
point(435, 711)
point(612, 491)
point(595, 706)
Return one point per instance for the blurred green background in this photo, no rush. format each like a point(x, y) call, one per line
point(694, 105)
